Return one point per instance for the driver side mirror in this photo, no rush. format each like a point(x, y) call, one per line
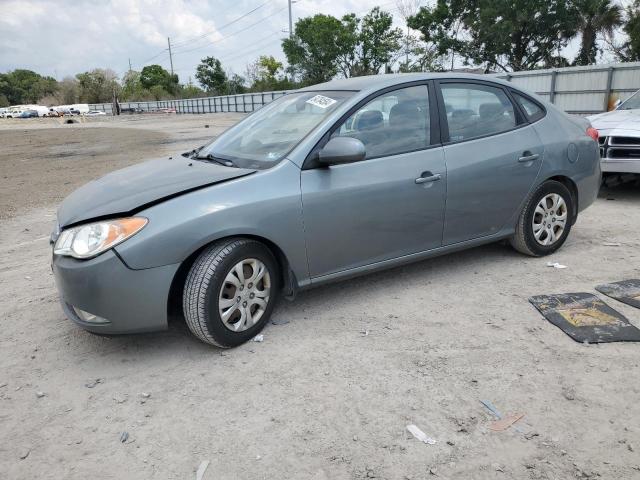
point(340, 150)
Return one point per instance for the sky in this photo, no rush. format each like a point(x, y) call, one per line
point(61, 38)
point(65, 37)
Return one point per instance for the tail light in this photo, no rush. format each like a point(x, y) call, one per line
point(593, 133)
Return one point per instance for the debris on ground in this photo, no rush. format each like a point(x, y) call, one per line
point(124, 436)
point(491, 407)
point(3, 385)
point(25, 454)
point(611, 244)
point(93, 383)
point(569, 393)
point(201, 469)
point(120, 398)
point(420, 435)
point(505, 422)
point(279, 321)
point(258, 338)
point(364, 333)
point(40, 394)
point(556, 265)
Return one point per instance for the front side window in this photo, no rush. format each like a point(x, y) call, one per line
point(392, 123)
point(267, 136)
point(475, 110)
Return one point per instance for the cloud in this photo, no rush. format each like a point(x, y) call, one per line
point(60, 38)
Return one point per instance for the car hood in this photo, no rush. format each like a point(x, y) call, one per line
point(617, 122)
point(124, 191)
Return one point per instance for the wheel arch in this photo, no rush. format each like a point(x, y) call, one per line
point(573, 189)
point(288, 279)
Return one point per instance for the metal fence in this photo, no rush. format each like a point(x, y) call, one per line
point(581, 90)
point(577, 90)
point(242, 103)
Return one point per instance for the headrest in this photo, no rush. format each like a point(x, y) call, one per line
point(405, 112)
point(489, 110)
point(369, 120)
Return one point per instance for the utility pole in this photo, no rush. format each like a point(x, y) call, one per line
point(170, 56)
point(130, 65)
point(290, 21)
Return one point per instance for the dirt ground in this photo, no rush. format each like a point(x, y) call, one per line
point(329, 394)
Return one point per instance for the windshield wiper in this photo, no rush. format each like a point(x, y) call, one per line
point(220, 161)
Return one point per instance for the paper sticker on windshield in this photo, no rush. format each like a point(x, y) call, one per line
point(321, 101)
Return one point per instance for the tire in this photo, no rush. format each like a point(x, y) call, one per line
point(209, 286)
point(525, 240)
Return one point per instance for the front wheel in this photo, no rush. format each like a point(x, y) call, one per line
point(545, 221)
point(230, 292)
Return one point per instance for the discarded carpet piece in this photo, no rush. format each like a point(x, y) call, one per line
point(626, 291)
point(585, 318)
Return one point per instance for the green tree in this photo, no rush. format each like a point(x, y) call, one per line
point(211, 76)
point(25, 86)
point(629, 50)
point(155, 75)
point(500, 34)
point(377, 40)
point(236, 84)
point(97, 86)
point(595, 17)
point(68, 91)
point(266, 74)
point(313, 51)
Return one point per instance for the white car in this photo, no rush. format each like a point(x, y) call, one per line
point(620, 136)
point(94, 113)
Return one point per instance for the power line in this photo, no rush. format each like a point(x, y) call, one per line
point(234, 33)
point(183, 42)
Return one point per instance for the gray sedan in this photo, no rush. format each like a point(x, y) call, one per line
point(325, 183)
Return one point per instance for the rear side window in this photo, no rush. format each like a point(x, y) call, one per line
point(392, 123)
point(475, 110)
point(532, 110)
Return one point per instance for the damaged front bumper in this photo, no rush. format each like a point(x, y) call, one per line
point(103, 295)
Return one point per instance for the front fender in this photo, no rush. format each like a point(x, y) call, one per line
point(266, 204)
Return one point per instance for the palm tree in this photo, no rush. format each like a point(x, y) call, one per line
point(595, 17)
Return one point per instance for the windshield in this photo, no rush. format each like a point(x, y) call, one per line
point(631, 103)
point(264, 138)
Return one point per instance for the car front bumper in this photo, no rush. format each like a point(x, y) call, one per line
point(610, 165)
point(123, 299)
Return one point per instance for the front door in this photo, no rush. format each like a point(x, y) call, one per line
point(390, 204)
point(493, 157)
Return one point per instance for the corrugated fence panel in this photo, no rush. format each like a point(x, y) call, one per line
point(581, 90)
point(579, 102)
point(626, 78)
point(582, 80)
point(533, 83)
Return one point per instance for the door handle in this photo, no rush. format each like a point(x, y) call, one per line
point(428, 178)
point(528, 157)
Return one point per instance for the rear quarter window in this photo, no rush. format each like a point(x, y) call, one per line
point(532, 110)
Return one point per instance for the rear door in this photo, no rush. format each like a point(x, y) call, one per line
point(492, 154)
point(390, 204)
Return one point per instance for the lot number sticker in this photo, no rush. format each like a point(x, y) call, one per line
point(321, 101)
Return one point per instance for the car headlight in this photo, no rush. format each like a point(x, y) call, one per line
point(92, 239)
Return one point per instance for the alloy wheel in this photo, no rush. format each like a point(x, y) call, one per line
point(549, 219)
point(244, 295)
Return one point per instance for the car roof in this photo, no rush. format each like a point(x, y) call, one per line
point(376, 82)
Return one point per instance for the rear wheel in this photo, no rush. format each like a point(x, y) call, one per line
point(230, 292)
point(545, 221)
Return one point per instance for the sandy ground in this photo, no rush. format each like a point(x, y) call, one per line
point(319, 398)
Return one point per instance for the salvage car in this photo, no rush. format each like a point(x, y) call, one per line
point(620, 137)
point(323, 184)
